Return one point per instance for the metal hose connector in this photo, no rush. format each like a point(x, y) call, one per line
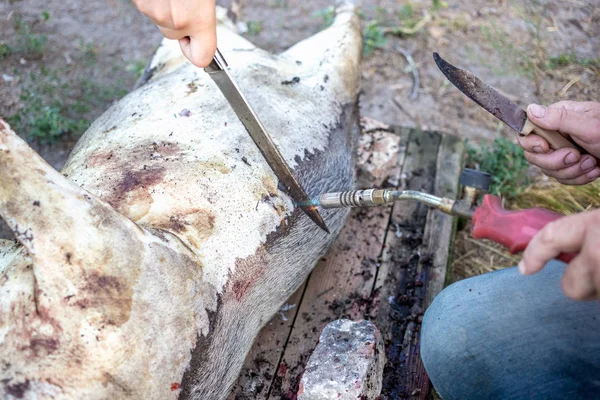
point(375, 197)
point(354, 198)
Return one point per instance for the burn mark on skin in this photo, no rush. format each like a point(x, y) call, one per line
point(24, 236)
point(147, 151)
point(269, 185)
point(267, 198)
point(147, 75)
point(43, 346)
point(16, 390)
point(98, 158)
point(192, 87)
point(247, 272)
point(109, 295)
point(240, 288)
point(195, 225)
point(140, 179)
point(98, 282)
point(112, 128)
point(292, 81)
point(216, 165)
point(131, 195)
point(109, 379)
point(166, 149)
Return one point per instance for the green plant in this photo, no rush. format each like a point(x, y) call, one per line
point(373, 38)
point(44, 121)
point(410, 22)
point(562, 60)
point(505, 161)
point(53, 108)
point(89, 50)
point(408, 18)
point(437, 4)
point(566, 59)
point(406, 12)
point(29, 42)
point(255, 27)
point(136, 68)
point(327, 14)
point(5, 50)
point(93, 93)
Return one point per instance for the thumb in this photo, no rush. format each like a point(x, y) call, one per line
point(560, 117)
point(199, 51)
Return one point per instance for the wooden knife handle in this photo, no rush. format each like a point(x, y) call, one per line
point(554, 138)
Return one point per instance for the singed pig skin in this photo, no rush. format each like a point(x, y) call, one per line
point(148, 265)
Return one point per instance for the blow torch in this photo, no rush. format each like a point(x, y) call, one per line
point(511, 229)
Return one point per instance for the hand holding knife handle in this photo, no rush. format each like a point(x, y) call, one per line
point(499, 105)
point(554, 138)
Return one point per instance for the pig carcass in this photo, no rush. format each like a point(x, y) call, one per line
point(148, 265)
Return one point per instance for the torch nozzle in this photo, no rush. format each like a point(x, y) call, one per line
point(377, 197)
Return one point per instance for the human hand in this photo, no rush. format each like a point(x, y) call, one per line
point(580, 121)
point(191, 22)
point(579, 233)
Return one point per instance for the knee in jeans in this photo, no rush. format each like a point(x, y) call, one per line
point(443, 338)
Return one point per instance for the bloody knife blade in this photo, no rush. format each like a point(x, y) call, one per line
point(499, 105)
point(217, 70)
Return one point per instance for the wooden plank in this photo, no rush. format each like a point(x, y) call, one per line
point(440, 228)
point(341, 286)
point(384, 259)
point(386, 265)
point(402, 293)
point(262, 361)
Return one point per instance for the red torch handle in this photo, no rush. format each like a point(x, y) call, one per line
point(511, 229)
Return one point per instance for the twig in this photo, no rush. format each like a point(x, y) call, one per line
point(415, 72)
point(399, 105)
point(409, 31)
point(490, 248)
point(461, 258)
point(568, 85)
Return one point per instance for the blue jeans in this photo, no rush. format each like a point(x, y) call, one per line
point(506, 336)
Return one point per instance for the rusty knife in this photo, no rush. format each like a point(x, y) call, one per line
point(500, 106)
point(217, 70)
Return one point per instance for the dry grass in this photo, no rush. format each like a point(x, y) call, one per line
point(474, 257)
point(564, 199)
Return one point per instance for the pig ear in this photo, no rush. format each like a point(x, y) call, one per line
point(64, 228)
point(335, 51)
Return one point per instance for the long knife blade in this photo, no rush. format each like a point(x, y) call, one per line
point(217, 70)
point(484, 95)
